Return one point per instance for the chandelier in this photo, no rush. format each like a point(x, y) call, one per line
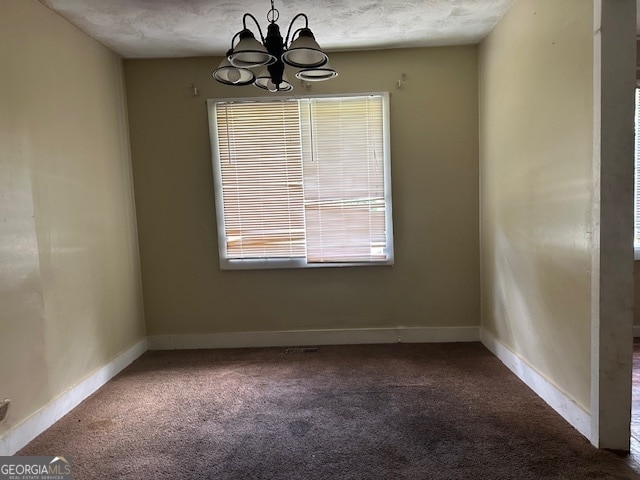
point(303, 52)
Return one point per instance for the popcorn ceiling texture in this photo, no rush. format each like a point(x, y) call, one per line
point(170, 28)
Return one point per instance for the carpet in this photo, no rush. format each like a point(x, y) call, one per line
point(406, 411)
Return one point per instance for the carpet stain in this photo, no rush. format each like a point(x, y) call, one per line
point(101, 425)
point(299, 428)
point(388, 453)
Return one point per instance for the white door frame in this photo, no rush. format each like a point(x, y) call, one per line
point(612, 223)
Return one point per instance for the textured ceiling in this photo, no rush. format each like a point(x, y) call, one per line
point(178, 28)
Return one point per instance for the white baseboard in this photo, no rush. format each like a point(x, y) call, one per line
point(636, 331)
point(315, 337)
point(23, 433)
point(556, 398)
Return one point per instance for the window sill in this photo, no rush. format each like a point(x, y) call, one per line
point(265, 264)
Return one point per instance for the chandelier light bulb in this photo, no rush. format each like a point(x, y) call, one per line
point(234, 75)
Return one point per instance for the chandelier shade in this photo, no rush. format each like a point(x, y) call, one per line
point(265, 82)
point(318, 74)
point(230, 75)
point(249, 52)
point(305, 52)
point(273, 52)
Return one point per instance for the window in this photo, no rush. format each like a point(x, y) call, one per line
point(302, 182)
point(636, 230)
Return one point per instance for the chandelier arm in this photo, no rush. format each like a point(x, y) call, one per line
point(306, 25)
point(234, 39)
point(244, 24)
point(296, 31)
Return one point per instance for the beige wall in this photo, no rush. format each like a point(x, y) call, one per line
point(70, 292)
point(434, 146)
point(536, 110)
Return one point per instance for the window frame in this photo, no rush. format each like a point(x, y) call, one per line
point(636, 173)
point(285, 263)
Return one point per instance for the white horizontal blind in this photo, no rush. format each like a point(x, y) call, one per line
point(636, 236)
point(261, 178)
point(302, 182)
point(343, 161)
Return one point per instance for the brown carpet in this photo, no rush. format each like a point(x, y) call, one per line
point(435, 411)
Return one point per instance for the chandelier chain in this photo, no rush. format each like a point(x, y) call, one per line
point(273, 15)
